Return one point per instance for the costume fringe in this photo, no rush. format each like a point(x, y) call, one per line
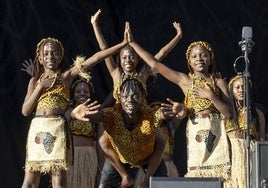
point(46, 167)
point(47, 147)
point(78, 62)
point(209, 153)
point(224, 173)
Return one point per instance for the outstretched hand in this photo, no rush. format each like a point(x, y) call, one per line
point(85, 109)
point(95, 17)
point(28, 67)
point(174, 109)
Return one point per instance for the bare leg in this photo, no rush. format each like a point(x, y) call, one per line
point(112, 156)
point(31, 180)
point(58, 179)
point(155, 159)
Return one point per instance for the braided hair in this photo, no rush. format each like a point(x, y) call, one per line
point(38, 69)
point(252, 107)
point(207, 46)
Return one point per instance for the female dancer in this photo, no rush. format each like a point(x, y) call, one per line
point(236, 131)
point(84, 171)
point(129, 64)
point(48, 95)
point(208, 103)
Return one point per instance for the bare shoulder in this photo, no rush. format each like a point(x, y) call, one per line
point(183, 80)
point(68, 76)
point(223, 86)
point(221, 83)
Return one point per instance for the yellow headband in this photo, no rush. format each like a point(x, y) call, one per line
point(45, 40)
point(205, 45)
point(230, 84)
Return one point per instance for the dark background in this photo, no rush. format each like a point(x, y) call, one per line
point(23, 23)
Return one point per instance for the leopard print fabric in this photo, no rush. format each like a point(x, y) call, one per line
point(83, 128)
point(195, 105)
point(56, 97)
point(133, 146)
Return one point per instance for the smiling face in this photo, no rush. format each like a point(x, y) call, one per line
point(131, 96)
point(50, 56)
point(199, 59)
point(128, 59)
point(238, 89)
point(81, 92)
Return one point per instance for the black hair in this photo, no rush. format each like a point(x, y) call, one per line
point(132, 84)
point(74, 84)
point(252, 106)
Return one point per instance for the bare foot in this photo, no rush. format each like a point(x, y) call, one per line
point(126, 182)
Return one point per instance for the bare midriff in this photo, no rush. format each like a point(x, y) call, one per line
point(49, 112)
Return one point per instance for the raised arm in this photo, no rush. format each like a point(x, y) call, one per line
point(174, 76)
point(110, 64)
point(84, 65)
point(98, 34)
point(169, 46)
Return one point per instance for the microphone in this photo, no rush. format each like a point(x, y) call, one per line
point(246, 42)
point(246, 45)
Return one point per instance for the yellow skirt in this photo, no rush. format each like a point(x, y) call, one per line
point(48, 145)
point(239, 162)
point(208, 148)
point(83, 173)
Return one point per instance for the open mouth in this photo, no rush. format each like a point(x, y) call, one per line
point(200, 65)
point(82, 98)
point(128, 66)
point(130, 106)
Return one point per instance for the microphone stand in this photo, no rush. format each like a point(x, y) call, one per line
point(247, 115)
point(246, 48)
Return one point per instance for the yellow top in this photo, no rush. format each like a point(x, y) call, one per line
point(116, 91)
point(133, 146)
point(83, 128)
point(241, 125)
point(195, 105)
point(57, 97)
